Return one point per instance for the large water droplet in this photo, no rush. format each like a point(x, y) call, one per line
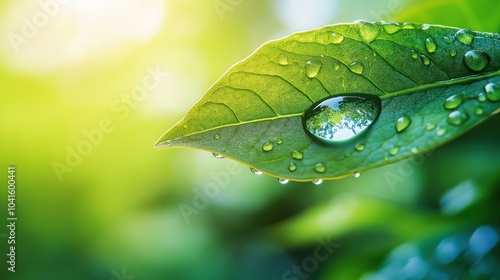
point(283, 181)
point(320, 168)
point(360, 147)
point(292, 167)
point(476, 60)
point(357, 67)
point(297, 155)
point(312, 68)
point(492, 92)
point(341, 118)
point(368, 31)
point(464, 36)
point(425, 60)
point(394, 151)
point(283, 59)
point(337, 38)
point(403, 123)
point(217, 156)
point(457, 117)
point(268, 146)
point(430, 45)
point(391, 28)
point(454, 101)
point(255, 171)
point(317, 182)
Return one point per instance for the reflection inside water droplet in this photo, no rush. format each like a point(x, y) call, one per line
point(476, 60)
point(341, 118)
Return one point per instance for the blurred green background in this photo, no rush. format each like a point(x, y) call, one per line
point(88, 86)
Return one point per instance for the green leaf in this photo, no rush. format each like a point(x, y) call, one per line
point(253, 113)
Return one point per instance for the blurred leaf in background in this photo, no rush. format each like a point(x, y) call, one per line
point(87, 86)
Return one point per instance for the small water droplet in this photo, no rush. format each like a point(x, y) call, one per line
point(279, 141)
point(283, 60)
point(391, 28)
point(368, 31)
point(255, 171)
point(430, 45)
point(448, 39)
point(292, 167)
point(337, 38)
point(317, 182)
point(453, 53)
point(320, 168)
point(430, 126)
point(403, 123)
point(297, 155)
point(357, 174)
point(360, 147)
point(216, 136)
point(414, 54)
point(268, 146)
point(464, 36)
point(312, 68)
point(457, 117)
point(394, 151)
point(440, 131)
point(454, 101)
point(479, 111)
point(347, 155)
point(492, 92)
point(481, 97)
point(341, 118)
point(283, 181)
point(476, 60)
point(357, 67)
point(414, 150)
point(408, 25)
point(217, 156)
point(386, 158)
point(425, 60)
point(425, 26)
point(336, 65)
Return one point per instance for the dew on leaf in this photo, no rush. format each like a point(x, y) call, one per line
point(479, 111)
point(464, 36)
point(454, 101)
point(425, 60)
point(394, 151)
point(268, 146)
point(341, 118)
point(476, 60)
point(283, 60)
point(403, 123)
point(425, 26)
point(448, 39)
point(441, 131)
point(430, 45)
point(391, 28)
point(481, 97)
point(297, 155)
point(430, 126)
point(255, 171)
point(453, 53)
point(312, 68)
point(217, 156)
point(414, 150)
point(320, 168)
point(279, 141)
point(492, 92)
point(216, 136)
point(414, 54)
point(360, 147)
point(408, 25)
point(283, 181)
point(457, 117)
point(337, 38)
point(317, 182)
point(292, 167)
point(357, 67)
point(368, 31)
point(357, 174)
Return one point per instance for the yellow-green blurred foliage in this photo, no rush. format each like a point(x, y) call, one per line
point(87, 87)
